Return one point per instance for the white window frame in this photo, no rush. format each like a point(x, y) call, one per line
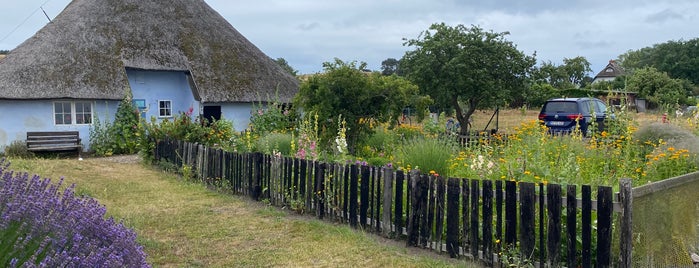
point(73, 114)
point(168, 110)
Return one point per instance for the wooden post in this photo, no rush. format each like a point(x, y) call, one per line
point(425, 229)
point(453, 193)
point(571, 221)
point(414, 215)
point(527, 199)
point(626, 241)
point(553, 238)
point(465, 209)
point(586, 226)
point(354, 181)
point(320, 189)
point(387, 201)
point(605, 207)
point(441, 209)
point(398, 208)
point(364, 196)
point(257, 180)
point(488, 222)
point(510, 213)
point(473, 234)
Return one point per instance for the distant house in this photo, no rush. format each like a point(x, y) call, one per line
point(172, 56)
point(609, 73)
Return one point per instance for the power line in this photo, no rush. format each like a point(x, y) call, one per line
point(25, 20)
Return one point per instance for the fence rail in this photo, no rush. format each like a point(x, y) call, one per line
point(462, 217)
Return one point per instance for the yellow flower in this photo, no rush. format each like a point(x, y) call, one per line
point(527, 172)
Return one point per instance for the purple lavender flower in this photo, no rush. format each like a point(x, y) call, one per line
point(47, 228)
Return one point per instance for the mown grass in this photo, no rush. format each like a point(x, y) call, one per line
point(182, 224)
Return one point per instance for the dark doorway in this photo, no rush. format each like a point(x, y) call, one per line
point(212, 113)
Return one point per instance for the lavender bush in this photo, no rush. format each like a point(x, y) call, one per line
point(42, 227)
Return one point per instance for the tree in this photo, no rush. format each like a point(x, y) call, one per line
point(360, 97)
point(572, 74)
point(285, 65)
point(466, 66)
point(4, 52)
point(656, 86)
point(390, 66)
point(677, 58)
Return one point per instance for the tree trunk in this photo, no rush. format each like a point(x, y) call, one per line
point(464, 118)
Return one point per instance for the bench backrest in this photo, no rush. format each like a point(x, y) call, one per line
point(53, 139)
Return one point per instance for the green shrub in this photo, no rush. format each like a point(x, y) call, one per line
point(275, 142)
point(18, 149)
point(119, 137)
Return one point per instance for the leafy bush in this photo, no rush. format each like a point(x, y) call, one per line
point(40, 226)
point(119, 137)
point(218, 133)
point(18, 149)
point(275, 142)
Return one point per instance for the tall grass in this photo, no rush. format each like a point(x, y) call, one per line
point(427, 154)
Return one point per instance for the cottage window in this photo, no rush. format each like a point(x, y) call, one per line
point(69, 113)
point(165, 108)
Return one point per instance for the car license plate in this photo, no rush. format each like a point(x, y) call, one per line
point(556, 123)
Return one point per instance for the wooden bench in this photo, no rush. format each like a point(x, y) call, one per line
point(54, 141)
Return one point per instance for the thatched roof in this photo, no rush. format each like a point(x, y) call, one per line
point(84, 52)
point(611, 70)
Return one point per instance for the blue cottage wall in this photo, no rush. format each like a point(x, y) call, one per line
point(149, 88)
point(17, 117)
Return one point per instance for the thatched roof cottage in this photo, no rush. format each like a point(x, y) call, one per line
point(173, 56)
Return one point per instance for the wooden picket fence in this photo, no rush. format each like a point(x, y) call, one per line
point(480, 219)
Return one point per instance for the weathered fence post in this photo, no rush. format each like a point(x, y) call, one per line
point(320, 189)
point(364, 196)
point(398, 217)
point(586, 226)
point(605, 207)
point(487, 212)
point(473, 234)
point(257, 177)
point(387, 201)
point(453, 193)
point(527, 199)
point(353, 205)
point(510, 213)
point(571, 221)
point(626, 241)
point(553, 238)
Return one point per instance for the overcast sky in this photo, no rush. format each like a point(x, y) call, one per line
point(309, 32)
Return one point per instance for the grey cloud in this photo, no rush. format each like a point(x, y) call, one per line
point(308, 26)
point(663, 16)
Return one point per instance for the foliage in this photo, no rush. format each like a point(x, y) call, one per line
point(676, 58)
point(286, 67)
point(275, 142)
point(43, 227)
point(569, 75)
point(18, 149)
point(426, 154)
point(391, 66)
point(656, 86)
point(362, 99)
point(466, 66)
point(272, 118)
point(119, 137)
point(531, 154)
point(218, 133)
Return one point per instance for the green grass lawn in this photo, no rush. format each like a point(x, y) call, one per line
point(183, 224)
